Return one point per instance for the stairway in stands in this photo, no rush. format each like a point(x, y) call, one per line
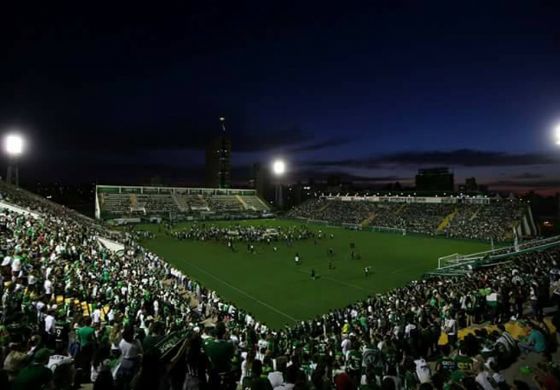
point(180, 202)
point(401, 209)
point(365, 223)
point(240, 199)
point(324, 207)
point(475, 214)
point(446, 221)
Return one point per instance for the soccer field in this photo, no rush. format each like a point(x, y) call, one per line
point(276, 291)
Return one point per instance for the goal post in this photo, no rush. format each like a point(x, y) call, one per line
point(445, 261)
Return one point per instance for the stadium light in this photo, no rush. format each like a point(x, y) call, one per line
point(278, 167)
point(278, 170)
point(13, 144)
point(557, 134)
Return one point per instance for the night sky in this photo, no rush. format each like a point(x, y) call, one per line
point(371, 91)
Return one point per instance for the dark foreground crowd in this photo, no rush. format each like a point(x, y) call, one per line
point(75, 312)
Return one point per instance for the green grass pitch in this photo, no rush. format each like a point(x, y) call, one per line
point(276, 291)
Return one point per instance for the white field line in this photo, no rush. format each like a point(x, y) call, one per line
point(244, 293)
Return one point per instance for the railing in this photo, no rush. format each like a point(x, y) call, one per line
point(495, 256)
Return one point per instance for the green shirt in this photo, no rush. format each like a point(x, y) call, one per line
point(538, 341)
point(464, 363)
point(34, 376)
point(447, 364)
point(220, 353)
point(354, 361)
point(86, 335)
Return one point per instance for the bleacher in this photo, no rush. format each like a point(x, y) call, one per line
point(224, 203)
point(480, 219)
point(115, 202)
point(254, 203)
point(157, 203)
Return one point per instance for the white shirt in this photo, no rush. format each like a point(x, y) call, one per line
point(58, 360)
point(48, 287)
point(423, 371)
point(130, 350)
point(451, 326)
point(262, 343)
point(483, 380)
point(16, 264)
point(408, 328)
point(345, 345)
point(96, 316)
point(49, 324)
point(276, 378)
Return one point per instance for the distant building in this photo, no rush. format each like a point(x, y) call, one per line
point(470, 186)
point(334, 184)
point(218, 155)
point(261, 181)
point(435, 180)
point(299, 192)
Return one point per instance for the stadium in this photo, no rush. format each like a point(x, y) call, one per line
point(265, 256)
point(177, 263)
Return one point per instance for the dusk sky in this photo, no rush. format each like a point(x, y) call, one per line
point(369, 90)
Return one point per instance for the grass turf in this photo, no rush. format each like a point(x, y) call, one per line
point(276, 291)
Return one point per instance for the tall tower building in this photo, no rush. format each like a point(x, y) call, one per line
point(218, 154)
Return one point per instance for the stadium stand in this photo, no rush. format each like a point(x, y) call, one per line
point(73, 311)
point(254, 203)
point(121, 202)
point(494, 219)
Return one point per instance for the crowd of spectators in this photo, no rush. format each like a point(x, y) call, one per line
point(481, 221)
point(475, 222)
point(73, 311)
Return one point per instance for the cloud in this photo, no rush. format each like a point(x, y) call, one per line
point(459, 157)
point(537, 184)
point(329, 143)
point(372, 179)
point(182, 137)
point(528, 175)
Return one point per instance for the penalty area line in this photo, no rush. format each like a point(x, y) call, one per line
point(244, 293)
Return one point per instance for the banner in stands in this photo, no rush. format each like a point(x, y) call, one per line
point(412, 199)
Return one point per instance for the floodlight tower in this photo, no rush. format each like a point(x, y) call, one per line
point(13, 145)
point(278, 171)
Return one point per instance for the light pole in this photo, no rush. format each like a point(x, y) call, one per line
point(13, 145)
point(278, 170)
